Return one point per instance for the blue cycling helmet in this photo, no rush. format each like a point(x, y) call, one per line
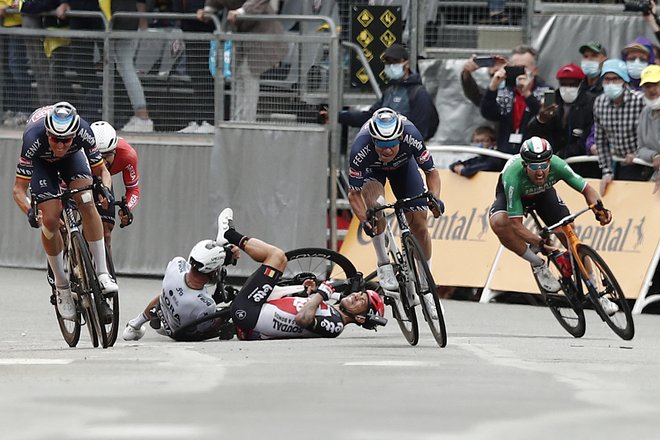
point(62, 120)
point(386, 127)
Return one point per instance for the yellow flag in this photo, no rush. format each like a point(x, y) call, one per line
point(106, 8)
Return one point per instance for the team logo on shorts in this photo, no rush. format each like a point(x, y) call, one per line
point(240, 314)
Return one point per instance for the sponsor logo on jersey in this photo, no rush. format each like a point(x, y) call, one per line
point(131, 172)
point(88, 137)
point(352, 172)
point(240, 314)
point(260, 293)
point(270, 273)
point(413, 142)
point(24, 161)
point(33, 149)
point(360, 155)
point(424, 157)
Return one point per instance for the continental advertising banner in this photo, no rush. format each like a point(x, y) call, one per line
point(465, 249)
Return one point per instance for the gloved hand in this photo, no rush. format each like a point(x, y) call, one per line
point(603, 215)
point(327, 291)
point(32, 218)
point(436, 205)
point(369, 228)
point(542, 246)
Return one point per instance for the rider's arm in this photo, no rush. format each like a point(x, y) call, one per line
point(433, 182)
point(590, 195)
point(21, 194)
point(101, 171)
point(130, 175)
point(307, 313)
point(521, 231)
point(357, 204)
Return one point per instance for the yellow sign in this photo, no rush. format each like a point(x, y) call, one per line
point(388, 38)
point(362, 76)
point(368, 54)
point(365, 18)
point(388, 18)
point(365, 38)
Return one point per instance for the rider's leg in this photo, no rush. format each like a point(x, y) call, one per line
point(52, 240)
point(371, 192)
point(502, 226)
point(107, 234)
point(418, 227)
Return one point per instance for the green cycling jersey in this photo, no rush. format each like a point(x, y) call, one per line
point(517, 185)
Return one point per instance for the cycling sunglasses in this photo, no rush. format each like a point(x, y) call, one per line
point(386, 144)
point(538, 166)
point(57, 140)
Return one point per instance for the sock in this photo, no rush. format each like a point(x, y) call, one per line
point(138, 321)
point(532, 257)
point(381, 251)
point(97, 248)
point(56, 263)
point(236, 238)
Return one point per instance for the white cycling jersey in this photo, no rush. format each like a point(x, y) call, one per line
point(181, 305)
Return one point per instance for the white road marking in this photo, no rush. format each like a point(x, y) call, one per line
point(19, 361)
point(141, 431)
point(389, 363)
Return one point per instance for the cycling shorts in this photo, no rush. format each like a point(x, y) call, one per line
point(245, 308)
point(548, 205)
point(404, 181)
point(46, 176)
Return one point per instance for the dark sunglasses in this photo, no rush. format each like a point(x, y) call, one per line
point(56, 140)
point(538, 166)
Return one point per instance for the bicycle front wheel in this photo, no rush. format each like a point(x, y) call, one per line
point(603, 288)
point(316, 263)
point(426, 289)
point(70, 329)
point(112, 300)
point(402, 310)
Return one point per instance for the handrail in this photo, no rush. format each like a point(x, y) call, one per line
point(164, 16)
point(367, 68)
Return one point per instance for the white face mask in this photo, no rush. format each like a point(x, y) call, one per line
point(635, 67)
point(590, 68)
point(394, 71)
point(612, 91)
point(568, 94)
point(653, 104)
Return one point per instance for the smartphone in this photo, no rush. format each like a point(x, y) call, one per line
point(513, 72)
point(486, 61)
point(548, 98)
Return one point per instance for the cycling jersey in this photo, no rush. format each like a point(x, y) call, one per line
point(179, 304)
point(518, 188)
point(125, 162)
point(257, 317)
point(364, 160)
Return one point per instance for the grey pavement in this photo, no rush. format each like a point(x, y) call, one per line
point(508, 372)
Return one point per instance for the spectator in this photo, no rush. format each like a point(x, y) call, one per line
point(567, 123)
point(496, 13)
point(252, 58)
point(616, 113)
point(17, 88)
point(513, 106)
point(653, 21)
point(593, 57)
point(471, 89)
point(123, 52)
point(404, 94)
point(637, 54)
point(648, 129)
point(483, 137)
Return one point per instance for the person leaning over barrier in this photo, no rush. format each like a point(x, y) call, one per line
point(648, 128)
point(260, 309)
point(529, 178)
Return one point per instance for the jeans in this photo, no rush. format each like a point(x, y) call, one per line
point(123, 53)
point(18, 84)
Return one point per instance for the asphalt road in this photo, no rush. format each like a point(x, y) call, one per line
point(508, 372)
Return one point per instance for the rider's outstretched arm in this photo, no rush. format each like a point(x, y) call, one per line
point(590, 195)
point(433, 182)
point(307, 314)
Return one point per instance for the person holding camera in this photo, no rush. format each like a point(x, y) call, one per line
point(471, 89)
point(566, 118)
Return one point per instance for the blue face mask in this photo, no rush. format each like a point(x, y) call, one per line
point(635, 67)
point(613, 91)
point(394, 71)
point(590, 68)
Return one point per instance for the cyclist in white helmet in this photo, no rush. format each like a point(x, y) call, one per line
point(58, 144)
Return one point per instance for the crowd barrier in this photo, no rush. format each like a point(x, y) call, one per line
point(467, 253)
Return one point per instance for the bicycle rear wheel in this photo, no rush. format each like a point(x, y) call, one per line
point(70, 329)
point(566, 305)
point(602, 284)
point(316, 263)
point(426, 289)
point(89, 287)
point(402, 310)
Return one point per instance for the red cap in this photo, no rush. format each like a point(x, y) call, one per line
point(570, 71)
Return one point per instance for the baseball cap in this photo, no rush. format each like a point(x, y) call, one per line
point(593, 46)
point(617, 67)
point(650, 75)
point(570, 71)
point(396, 52)
point(635, 46)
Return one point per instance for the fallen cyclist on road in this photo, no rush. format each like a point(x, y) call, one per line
point(260, 310)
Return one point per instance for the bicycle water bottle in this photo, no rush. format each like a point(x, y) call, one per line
point(564, 263)
point(226, 59)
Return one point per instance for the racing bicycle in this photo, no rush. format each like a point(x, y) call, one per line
point(416, 283)
point(85, 287)
point(578, 268)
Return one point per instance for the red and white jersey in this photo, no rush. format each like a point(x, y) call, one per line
point(126, 162)
point(277, 321)
point(179, 303)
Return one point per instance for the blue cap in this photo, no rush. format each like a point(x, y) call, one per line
point(616, 66)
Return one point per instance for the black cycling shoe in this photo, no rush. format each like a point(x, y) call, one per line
point(105, 313)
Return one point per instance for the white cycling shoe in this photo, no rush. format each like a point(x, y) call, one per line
point(386, 277)
point(131, 333)
point(609, 307)
point(225, 223)
point(546, 279)
point(107, 284)
point(65, 305)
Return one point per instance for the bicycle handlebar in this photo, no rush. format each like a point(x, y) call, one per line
point(401, 203)
point(545, 232)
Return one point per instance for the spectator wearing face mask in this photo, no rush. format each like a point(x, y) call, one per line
point(648, 129)
point(637, 54)
point(566, 124)
point(616, 115)
point(593, 57)
point(483, 137)
point(405, 94)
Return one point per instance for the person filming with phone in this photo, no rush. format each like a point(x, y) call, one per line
point(513, 98)
point(566, 117)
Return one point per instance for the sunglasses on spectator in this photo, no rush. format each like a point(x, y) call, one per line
point(56, 140)
point(538, 166)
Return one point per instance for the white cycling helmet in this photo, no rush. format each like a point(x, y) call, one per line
point(386, 127)
point(106, 136)
point(62, 120)
point(207, 256)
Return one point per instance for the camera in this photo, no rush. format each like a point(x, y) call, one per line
point(643, 6)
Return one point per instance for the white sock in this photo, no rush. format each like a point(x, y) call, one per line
point(138, 321)
point(532, 257)
point(381, 250)
point(97, 248)
point(56, 263)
